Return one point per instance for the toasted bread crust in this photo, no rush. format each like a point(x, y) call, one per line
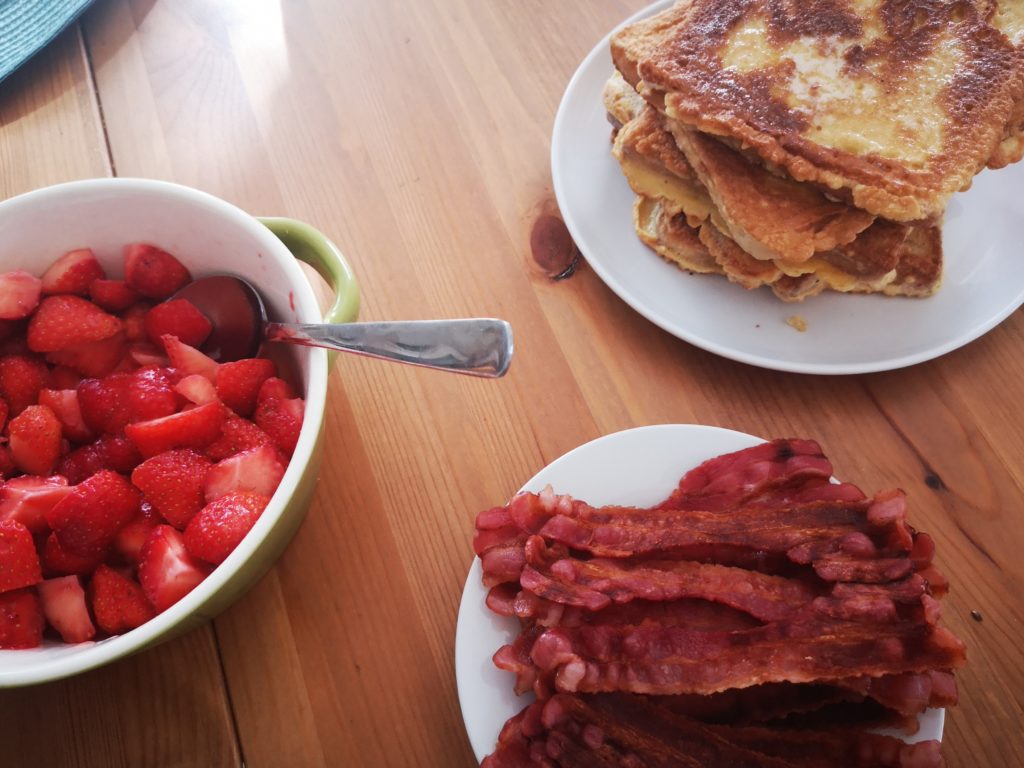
point(927, 90)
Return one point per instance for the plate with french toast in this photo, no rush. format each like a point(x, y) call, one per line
point(825, 189)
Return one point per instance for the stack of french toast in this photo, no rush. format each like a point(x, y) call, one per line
point(811, 146)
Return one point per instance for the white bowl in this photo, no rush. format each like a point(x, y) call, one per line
point(209, 236)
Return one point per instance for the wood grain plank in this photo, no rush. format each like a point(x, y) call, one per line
point(416, 134)
point(136, 712)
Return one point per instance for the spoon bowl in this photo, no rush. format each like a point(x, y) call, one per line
point(473, 346)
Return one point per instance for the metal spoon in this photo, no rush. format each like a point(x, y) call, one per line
point(473, 346)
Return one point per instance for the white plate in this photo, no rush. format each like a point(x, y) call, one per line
point(635, 467)
point(983, 284)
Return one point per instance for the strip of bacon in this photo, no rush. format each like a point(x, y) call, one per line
point(516, 658)
point(595, 584)
point(696, 615)
point(666, 660)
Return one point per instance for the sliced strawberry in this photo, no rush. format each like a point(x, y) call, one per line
point(73, 272)
point(19, 563)
point(56, 560)
point(180, 318)
point(195, 428)
point(113, 295)
point(63, 601)
point(27, 500)
point(282, 420)
point(258, 471)
point(237, 435)
point(118, 603)
point(114, 452)
point(65, 321)
point(93, 358)
point(89, 517)
point(144, 354)
point(34, 439)
point(188, 360)
point(132, 538)
point(134, 319)
point(275, 388)
point(21, 378)
point(197, 389)
point(21, 620)
point(173, 483)
point(167, 571)
point(238, 383)
point(62, 377)
point(19, 294)
point(105, 403)
point(214, 533)
point(152, 272)
point(64, 404)
point(151, 394)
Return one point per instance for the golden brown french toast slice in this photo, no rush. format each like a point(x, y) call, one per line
point(895, 103)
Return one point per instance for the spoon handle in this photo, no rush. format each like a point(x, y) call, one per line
point(474, 346)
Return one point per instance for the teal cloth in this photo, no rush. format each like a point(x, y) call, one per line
point(28, 25)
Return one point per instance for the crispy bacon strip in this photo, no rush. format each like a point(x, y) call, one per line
point(516, 658)
point(696, 615)
point(595, 584)
point(730, 480)
point(665, 660)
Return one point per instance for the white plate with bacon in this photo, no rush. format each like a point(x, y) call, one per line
point(637, 468)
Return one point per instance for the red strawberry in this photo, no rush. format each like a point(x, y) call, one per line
point(92, 358)
point(173, 483)
point(258, 470)
point(63, 602)
point(57, 560)
point(197, 389)
point(151, 394)
point(144, 354)
point(238, 383)
point(113, 295)
point(105, 403)
point(167, 571)
point(19, 294)
point(132, 538)
point(115, 452)
point(179, 318)
point(188, 360)
point(152, 272)
point(19, 563)
point(237, 435)
point(65, 321)
point(118, 603)
point(64, 404)
point(195, 428)
point(89, 517)
point(21, 378)
point(214, 533)
point(34, 439)
point(134, 320)
point(275, 388)
point(73, 272)
point(282, 420)
point(27, 499)
point(62, 377)
point(21, 620)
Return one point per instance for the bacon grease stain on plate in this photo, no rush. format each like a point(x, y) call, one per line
point(636, 467)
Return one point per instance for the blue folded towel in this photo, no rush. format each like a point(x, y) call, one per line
point(28, 25)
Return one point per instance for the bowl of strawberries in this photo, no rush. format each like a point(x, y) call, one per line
point(145, 485)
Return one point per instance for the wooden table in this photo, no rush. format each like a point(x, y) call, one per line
point(416, 135)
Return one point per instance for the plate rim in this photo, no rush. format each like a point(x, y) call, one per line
point(667, 324)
